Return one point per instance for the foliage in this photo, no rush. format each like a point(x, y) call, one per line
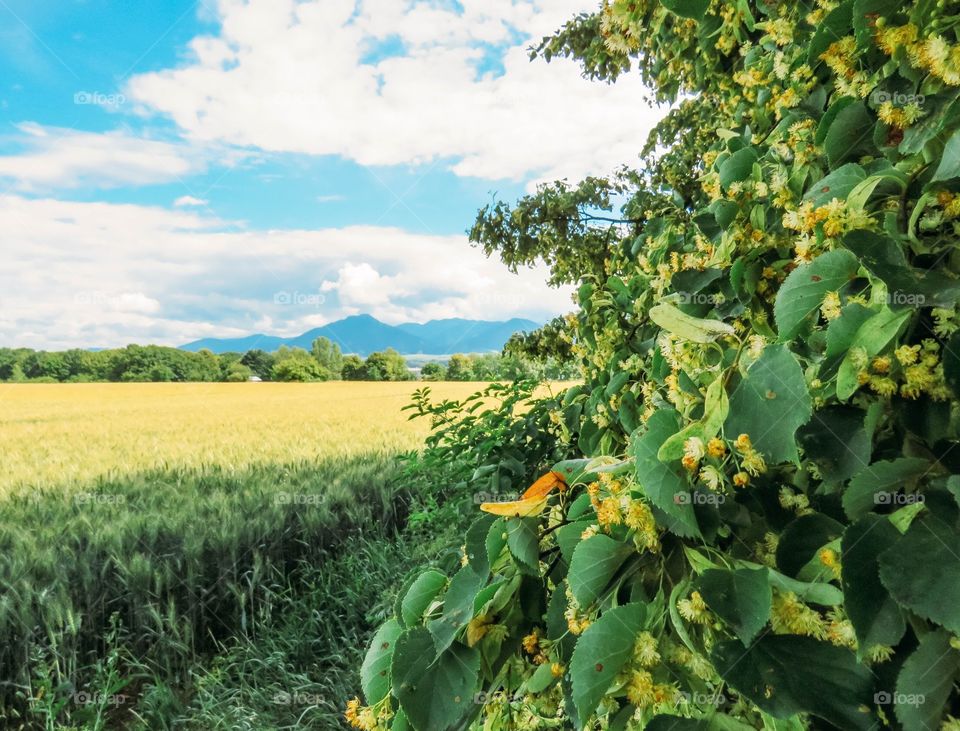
point(386, 365)
point(764, 528)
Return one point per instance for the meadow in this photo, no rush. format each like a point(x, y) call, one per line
point(146, 529)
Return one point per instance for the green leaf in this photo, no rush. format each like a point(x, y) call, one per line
point(812, 592)
point(922, 571)
point(695, 329)
point(741, 598)
point(661, 483)
point(803, 290)
point(595, 561)
point(601, 652)
point(851, 134)
point(695, 9)
point(457, 607)
point(790, 674)
point(476, 545)
point(836, 440)
point(801, 540)
point(494, 543)
point(949, 167)
point(716, 407)
point(375, 671)
point(524, 543)
point(770, 404)
point(872, 337)
point(837, 184)
point(709, 722)
point(434, 691)
point(877, 483)
point(737, 167)
point(876, 617)
point(907, 285)
point(835, 26)
point(926, 682)
point(951, 364)
point(422, 591)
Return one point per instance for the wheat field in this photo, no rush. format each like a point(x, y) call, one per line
point(68, 434)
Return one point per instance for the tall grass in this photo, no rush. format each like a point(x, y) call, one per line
point(180, 560)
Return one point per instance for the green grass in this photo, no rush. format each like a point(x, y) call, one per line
point(180, 562)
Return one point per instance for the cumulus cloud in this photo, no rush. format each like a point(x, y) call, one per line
point(72, 278)
point(397, 82)
point(64, 158)
point(186, 201)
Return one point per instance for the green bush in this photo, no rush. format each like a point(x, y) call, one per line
point(764, 529)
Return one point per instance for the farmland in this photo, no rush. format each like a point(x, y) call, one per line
point(154, 525)
point(61, 436)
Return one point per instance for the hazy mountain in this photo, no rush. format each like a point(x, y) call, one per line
point(363, 334)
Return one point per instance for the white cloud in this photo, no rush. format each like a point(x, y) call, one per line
point(72, 277)
point(56, 157)
point(312, 77)
point(186, 201)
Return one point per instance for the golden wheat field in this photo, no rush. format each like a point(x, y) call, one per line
point(66, 434)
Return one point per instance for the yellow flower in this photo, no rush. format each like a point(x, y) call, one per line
point(712, 478)
point(741, 479)
point(753, 463)
point(694, 609)
point(556, 670)
point(645, 650)
point(831, 306)
point(789, 615)
point(477, 629)
point(716, 448)
point(531, 643)
point(742, 442)
point(608, 513)
point(640, 689)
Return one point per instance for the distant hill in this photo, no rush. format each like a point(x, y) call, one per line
point(363, 334)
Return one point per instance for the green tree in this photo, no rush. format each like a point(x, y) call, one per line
point(433, 371)
point(296, 364)
point(459, 368)
point(237, 372)
point(260, 362)
point(387, 365)
point(328, 355)
point(354, 369)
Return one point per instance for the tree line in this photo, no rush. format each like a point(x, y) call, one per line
point(323, 362)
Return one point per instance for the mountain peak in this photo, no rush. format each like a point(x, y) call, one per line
point(363, 334)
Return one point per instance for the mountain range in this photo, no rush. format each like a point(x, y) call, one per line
point(364, 334)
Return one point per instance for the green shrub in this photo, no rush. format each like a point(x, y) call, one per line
point(763, 530)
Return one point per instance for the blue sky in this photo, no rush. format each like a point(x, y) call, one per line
point(177, 170)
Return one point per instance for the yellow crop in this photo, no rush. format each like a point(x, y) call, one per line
point(65, 434)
